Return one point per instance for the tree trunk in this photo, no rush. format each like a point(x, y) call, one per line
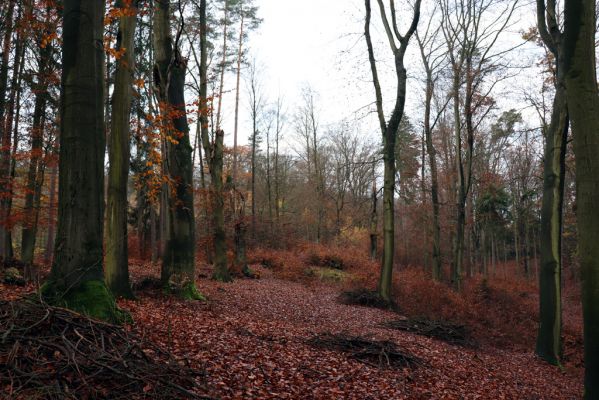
point(49, 253)
point(548, 344)
point(389, 132)
point(434, 179)
point(116, 259)
point(221, 270)
point(29, 232)
point(77, 278)
point(461, 194)
point(222, 67)
point(5, 184)
point(373, 219)
point(178, 261)
point(239, 58)
point(214, 158)
point(583, 106)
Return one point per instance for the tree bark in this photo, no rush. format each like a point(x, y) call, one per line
point(49, 252)
point(6, 193)
point(239, 58)
point(389, 131)
point(549, 346)
point(214, 158)
point(29, 233)
point(583, 106)
point(178, 261)
point(77, 278)
point(116, 258)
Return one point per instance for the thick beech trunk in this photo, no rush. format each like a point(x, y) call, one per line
point(77, 279)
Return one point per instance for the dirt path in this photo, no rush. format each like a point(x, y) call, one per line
point(250, 338)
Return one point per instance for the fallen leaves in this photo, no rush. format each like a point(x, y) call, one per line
point(251, 336)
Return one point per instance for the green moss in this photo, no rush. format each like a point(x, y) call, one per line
point(186, 290)
point(190, 292)
point(249, 273)
point(91, 298)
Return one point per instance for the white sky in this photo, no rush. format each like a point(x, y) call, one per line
point(320, 43)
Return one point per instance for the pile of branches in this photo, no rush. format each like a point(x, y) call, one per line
point(53, 353)
point(379, 354)
point(366, 298)
point(440, 330)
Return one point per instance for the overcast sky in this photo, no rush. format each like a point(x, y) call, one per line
point(320, 43)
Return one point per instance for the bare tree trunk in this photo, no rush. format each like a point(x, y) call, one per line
point(5, 239)
point(116, 258)
point(178, 261)
point(49, 252)
point(222, 67)
point(549, 346)
point(214, 157)
point(583, 106)
point(239, 58)
point(389, 130)
point(432, 158)
point(373, 219)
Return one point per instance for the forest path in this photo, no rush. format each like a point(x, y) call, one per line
point(251, 339)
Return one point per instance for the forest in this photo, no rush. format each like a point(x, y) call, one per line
point(256, 199)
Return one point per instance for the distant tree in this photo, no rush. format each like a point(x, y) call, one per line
point(257, 103)
point(432, 62)
point(471, 32)
point(248, 21)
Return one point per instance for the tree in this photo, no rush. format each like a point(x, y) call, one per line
point(432, 63)
point(389, 129)
point(213, 151)
point(469, 43)
point(307, 125)
point(548, 344)
point(6, 194)
point(117, 263)
point(583, 105)
point(178, 262)
point(248, 21)
point(76, 279)
point(256, 105)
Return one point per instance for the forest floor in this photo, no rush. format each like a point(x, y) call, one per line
point(251, 340)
